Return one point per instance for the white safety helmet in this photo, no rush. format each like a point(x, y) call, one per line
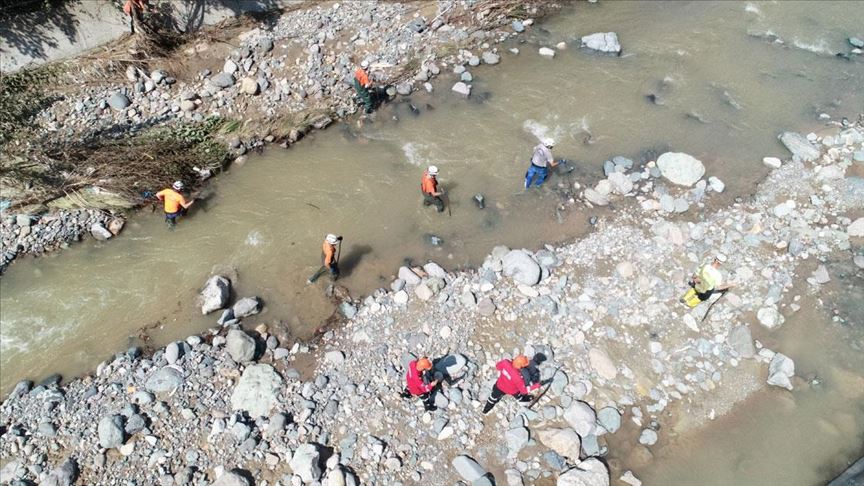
point(178, 185)
point(433, 170)
point(364, 64)
point(720, 258)
point(332, 239)
point(549, 142)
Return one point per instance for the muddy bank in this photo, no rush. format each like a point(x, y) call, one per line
point(243, 85)
point(245, 408)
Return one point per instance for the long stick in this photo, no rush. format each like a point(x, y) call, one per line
point(722, 293)
point(543, 393)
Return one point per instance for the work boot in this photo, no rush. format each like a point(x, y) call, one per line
point(429, 407)
point(405, 394)
point(525, 398)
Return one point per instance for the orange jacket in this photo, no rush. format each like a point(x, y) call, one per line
point(329, 252)
point(361, 77)
point(429, 185)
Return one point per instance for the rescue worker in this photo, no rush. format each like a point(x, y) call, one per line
point(429, 188)
point(511, 381)
point(329, 260)
point(421, 382)
point(541, 160)
point(705, 282)
point(362, 85)
point(134, 9)
point(175, 203)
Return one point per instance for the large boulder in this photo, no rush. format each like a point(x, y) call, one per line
point(240, 346)
point(231, 478)
point(214, 295)
point(741, 341)
point(603, 42)
point(111, 432)
point(118, 101)
point(590, 472)
point(164, 380)
point(563, 441)
point(519, 265)
point(799, 146)
point(780, 371)
point(581, 417)
point(680, 168)
point(257, 391)
point(63, 475)
point(602, 364)
point(304, 463)
point(468, 468)
point(100, 232)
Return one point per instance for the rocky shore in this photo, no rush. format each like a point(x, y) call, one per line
point(238, 407)
point(277, 81)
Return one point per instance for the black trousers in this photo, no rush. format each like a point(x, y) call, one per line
point(428, 398)
point(496, 395)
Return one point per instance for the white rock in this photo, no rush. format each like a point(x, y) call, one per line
point(461, 88)
point(590, 472)
point(468, 468)
point(563, 441)
point(856, 229)
point(621, 183)
point(772, 162)
point(680, 168)
point(547, 52)
point(603, 42)
point(304, 463)
point(581, 417)
point(400, 297)
point(595, 197)
point(602, 364)
point(770, 317)
point(409, 276)
point(716, 184)
point(100, 232)
point(520, 266)
point(780, 370)
point(434, 270)
point(799, 146)
point(423, 292)
point(648, 437)
point(257, 392)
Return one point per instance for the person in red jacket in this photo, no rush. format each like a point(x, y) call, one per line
point(514, 379)
point(421, 382)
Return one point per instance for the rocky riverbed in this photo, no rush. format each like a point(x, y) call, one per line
point(238, 407)
point(288, 75)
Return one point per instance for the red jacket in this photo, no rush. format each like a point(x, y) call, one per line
point(510, 380)
point(414, 380)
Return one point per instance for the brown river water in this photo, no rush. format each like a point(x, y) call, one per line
point(726, 93)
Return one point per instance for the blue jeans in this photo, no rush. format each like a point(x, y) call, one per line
point(540, 172)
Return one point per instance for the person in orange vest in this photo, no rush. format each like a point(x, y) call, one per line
point(175, 203)
point(421, 382)
point(362, 85)
point(429, 187)
point(330, 258)
point(134, 9)
point(516, 378)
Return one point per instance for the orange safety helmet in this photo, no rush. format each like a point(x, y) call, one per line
point(424, 364)
point(520, 361)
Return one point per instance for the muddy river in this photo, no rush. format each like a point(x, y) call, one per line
point(705, 78)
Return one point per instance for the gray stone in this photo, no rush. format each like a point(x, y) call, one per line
point(856, 42)
point(486, 307)
point(780, 371)
point(164, 380)
point(118, 101)
point(563, 441)
point(609, 418)
point(214, 295)
point(409, 276)
point(46, 429)
point(590, 472)
point(110, 431)
point(23, 220)
point(680, 168)
point(546, 52)
point(172, 353)
point(246, 306)
point(63, 475)
point(596, 198)
point(467, 77)
point(590, 445)
point(770, 317)
point(621, 184)
point(336, 358)
point(231, 478)
point(517, 26)
point(240, 346)
point(519, 265)
point(648, 437)
point(741, 341)
point(799, 146)
point(304, 463)
point(516, 439)
point(347, 309)
point(222, 80)
point(100, 232)
point(257, 392)
point(603, 42)
point(622, 162)
point(468, 468)
point(404, 88)
point(581, 417)
point(491, 58)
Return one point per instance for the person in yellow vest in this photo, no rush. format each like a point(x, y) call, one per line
point(175, 203)
point(707, 281)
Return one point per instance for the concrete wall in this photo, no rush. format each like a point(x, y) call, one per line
point(77, 26)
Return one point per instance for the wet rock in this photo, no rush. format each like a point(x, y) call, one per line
point(257, 391)
point(246, 306)
point(214, 295)
point(232, 478)
point(799, 146)
point(519, 265)
point(468, 468)
point(680, 168)
point(648, 437)
point(609, 418)
point(563, 441)
point(581, 417)
point(461, 88)
point(856, 42)
point(118, 101)
point(603, 42)
point(100, 232)
point(240, 346)
point(546, 52)
point(780, 371)
point(64, 475)
point(590, 472)
point(770, 317)
point(164, 380)
point(304, 463)
point(741, 341)
point(110, 431)
point(772, 162)
point(491, 58)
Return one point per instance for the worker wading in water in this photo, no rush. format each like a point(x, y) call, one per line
point(330, 262)
point(429, 188)
point(422, 382)
point(516, 378)
point(363, 86)
point(175, 203)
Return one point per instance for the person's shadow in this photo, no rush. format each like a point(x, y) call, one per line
point(348, 262)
